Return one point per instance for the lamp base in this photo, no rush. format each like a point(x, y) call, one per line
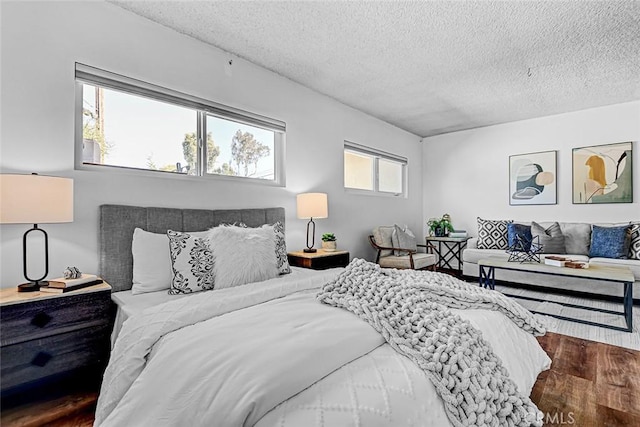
point(32, 286)
point(310, 250)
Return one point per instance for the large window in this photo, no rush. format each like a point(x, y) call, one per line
point(126, 123)
point(369, 170)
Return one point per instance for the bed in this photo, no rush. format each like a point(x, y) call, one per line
point(292, 350)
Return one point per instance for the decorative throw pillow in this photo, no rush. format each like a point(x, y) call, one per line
point(382, 236)
point(281, 246)
point(634, 241)
point(492, 234)
point(519, 236)
point(282, 260)
point(403, 238)
point(577, 237)
point(192, 263)
point(242, 255)
point(551, 239)
point(609, 242)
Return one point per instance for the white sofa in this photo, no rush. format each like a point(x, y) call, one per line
point(577, 240)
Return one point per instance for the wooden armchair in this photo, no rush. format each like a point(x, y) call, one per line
point(413, 260)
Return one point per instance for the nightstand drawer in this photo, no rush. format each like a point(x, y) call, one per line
point(42, 318)
point(38, 359)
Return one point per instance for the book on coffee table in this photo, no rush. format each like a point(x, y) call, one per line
point(556, 261)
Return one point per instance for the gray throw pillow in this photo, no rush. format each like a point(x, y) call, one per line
point(551, 239)
point(404, 239)
point(577, 237)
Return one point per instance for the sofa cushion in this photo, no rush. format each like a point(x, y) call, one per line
point(474, 255)
point(609, 242)
point(492, 234)
point(577, 237)
point(634, 241)
point(519, 235)
point(551, 238)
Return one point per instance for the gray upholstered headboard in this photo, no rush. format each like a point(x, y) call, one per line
point(117, 223)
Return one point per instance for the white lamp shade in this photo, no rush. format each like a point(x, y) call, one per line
point(35, 199)
point(312, 205)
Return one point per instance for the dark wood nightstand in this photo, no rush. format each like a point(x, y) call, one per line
point(44, 336)
point(320, 260)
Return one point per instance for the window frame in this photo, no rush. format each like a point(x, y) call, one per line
point(85, 74)
point(377, 155)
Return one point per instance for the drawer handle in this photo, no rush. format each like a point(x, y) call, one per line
point(41, 320)
point(41, 359)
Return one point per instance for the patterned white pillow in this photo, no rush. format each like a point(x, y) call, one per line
point(492, 234)
point(281, 249)
point(191, 263)
point(634, 241)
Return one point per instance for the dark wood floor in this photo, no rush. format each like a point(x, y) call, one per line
point(589, 385)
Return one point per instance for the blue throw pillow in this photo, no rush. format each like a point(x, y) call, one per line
point(524, 231)
point(609, 242)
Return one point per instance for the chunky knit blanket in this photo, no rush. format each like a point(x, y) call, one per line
point(411, 311)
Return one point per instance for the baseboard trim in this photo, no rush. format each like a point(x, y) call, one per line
point(567, 292)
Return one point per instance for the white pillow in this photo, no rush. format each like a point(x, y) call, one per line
point(242, 255)
point(152, 261)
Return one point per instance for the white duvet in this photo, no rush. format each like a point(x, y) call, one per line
point(269, 354)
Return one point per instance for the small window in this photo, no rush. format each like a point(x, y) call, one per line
point(127, 123)
point(369, 170)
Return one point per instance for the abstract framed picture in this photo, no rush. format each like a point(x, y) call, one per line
point(532, 179)
point(603, 174)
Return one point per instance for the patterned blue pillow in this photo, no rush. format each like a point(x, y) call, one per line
point(609, 242)
point(524, 231)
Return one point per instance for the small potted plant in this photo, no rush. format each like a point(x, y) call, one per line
point(439, 227)
point(329, 242)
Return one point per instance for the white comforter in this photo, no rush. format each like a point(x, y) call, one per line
point(242, 357)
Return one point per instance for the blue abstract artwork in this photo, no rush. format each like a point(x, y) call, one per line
point(532, 179)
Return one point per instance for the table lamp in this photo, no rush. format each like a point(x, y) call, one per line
point(35, 199)
point(312, 205)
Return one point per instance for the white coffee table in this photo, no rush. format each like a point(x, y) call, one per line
point(622, 275)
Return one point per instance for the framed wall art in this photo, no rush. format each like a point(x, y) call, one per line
point(533, 179)
point(603, 174)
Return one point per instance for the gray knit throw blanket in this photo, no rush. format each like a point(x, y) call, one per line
point(411, 310)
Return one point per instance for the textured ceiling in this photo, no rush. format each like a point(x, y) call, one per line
point(431, 67)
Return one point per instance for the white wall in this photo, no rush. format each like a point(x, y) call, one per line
point(466, 174)
point(40, 44)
